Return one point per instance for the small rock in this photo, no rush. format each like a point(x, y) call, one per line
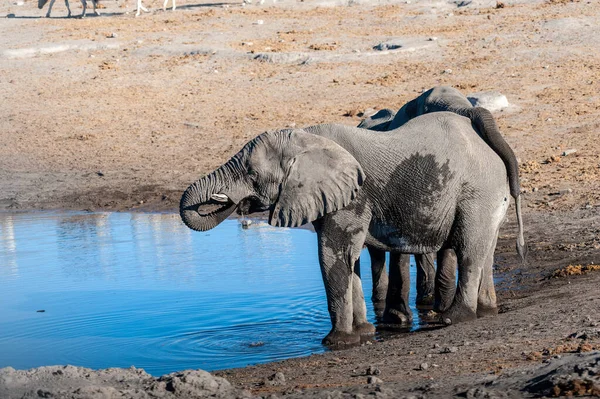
point(569, 152)
point(447, 71)
point(277, 379)
point(423, 366)
point(389, 45)
point(490, 100)
point(374, 380)
point(111, 35)
point(436, 345)
point(100, 174)
point(450, 349)
point(372, 370)
point(259, 22)
point(246, 223)
point(432, 39)
point(535, 189)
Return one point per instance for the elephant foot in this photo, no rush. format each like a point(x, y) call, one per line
point(365, 329)
point(394, 316)
point(337, 338)
point(425, 302)
point(486, 311)
point(379, 307)
point(441, 307)
point(458, 314)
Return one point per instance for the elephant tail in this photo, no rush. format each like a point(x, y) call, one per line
point(487, 127)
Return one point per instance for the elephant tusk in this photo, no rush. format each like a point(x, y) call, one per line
point(219, 197)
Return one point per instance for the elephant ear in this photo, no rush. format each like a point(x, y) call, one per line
point(322, 177)
point(408, 111)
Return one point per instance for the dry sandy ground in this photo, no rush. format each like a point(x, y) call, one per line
point(117, 112)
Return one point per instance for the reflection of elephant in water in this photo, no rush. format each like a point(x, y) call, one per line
point(441, 98)
point(433, 190)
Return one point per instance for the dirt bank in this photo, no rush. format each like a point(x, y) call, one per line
point(117, 113)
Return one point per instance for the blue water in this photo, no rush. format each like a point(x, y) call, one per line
point(121, 289)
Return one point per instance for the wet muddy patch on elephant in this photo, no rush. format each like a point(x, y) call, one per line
point(415, 191)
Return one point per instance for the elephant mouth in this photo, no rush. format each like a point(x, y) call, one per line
point(250, 205)
point(214, 207)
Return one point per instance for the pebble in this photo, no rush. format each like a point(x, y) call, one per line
point(276, 379)
point(423, 366)
point(259, 22)
point(450, 349)
point(490, 100)
point(432, 39)
point(569, 152)
point(372, 370)
point(389, 45)
point(374, 380)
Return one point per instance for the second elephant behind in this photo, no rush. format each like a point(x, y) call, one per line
point(437, 99)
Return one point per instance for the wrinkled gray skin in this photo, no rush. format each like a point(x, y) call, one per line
point(432, 191)
point(442, 98)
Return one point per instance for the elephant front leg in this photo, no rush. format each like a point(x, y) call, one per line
point(425, 280)
point(445, 280)
point(397, 310)
point(380, 279)
point(338, 280)
point(339, 253)
point(360, 324)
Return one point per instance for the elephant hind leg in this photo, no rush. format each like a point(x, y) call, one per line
point(397, 309)
point(486, 298)
point(380, 279)
point(425, 281)
point(445, 280)
point(474, 272)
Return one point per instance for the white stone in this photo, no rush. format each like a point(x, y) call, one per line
point(490, 100)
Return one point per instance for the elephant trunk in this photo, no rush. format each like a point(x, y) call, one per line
point(208, 201)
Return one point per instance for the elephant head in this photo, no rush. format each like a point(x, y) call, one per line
point(297, 176)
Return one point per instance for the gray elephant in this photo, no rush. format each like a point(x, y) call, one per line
point(440, 98)
point(442, 187)
point(446, 98)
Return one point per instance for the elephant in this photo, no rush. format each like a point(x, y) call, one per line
point(447, 98)
point(440, 98)
point(432, 191)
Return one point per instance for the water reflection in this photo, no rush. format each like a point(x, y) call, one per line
point(123, 289)
point(8, 247)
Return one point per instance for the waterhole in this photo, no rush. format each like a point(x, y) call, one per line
point(119, 289)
